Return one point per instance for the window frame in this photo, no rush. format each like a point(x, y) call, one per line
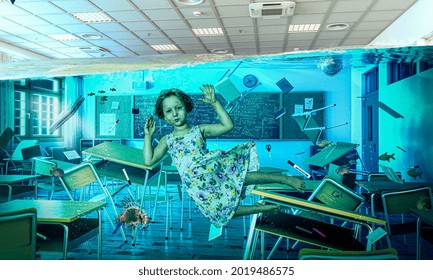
point(24, 124)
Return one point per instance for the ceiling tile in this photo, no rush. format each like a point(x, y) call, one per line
point(126, 16)
point(165, 14)
point(117, 5)
point(76, 6)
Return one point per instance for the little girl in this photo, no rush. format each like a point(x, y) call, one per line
point(218, 180)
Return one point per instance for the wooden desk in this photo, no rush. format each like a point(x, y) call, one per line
point(285, 224)
point(424, 216)
point(116, 157)
point(8, 181)
point(66, 214)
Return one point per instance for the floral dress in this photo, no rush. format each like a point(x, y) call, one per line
point(213, 179)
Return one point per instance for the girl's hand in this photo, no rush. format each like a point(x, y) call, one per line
point(149, 126)
point(209, 94)
point(298, 185)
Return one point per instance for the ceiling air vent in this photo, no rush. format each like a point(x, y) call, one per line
point(94, 51)
point(272, 9)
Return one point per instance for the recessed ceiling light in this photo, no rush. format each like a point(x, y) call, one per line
point(91, 36)
point(190, 2)
point(215, 31)
point(296, 28)
point(63, 37)
point(337, 26)
point(93, 17)
point(219, 51)
point(164, 47)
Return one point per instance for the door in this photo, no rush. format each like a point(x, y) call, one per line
point(370, 121)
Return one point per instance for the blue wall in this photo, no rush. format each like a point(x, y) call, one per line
point(336, 89)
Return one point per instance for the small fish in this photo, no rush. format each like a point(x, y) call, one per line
point(344, 169)
point(91, 94)
point(101, 91)
point(386, 157)
point(112, 89)
point(324, 144)
point(414, 173)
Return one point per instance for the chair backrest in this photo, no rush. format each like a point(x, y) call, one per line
point(380, 177)
point(6, 137)
point(18, 234)
point(320, 254)
point(43, 167)
point(309, 126)
point(400, 202)
point(79, 176)
point(31, 152)
point(336, 195)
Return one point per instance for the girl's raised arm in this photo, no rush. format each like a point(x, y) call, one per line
point(226, 122)
point(151, 155)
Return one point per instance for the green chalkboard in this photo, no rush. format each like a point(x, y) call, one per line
point(253, 117)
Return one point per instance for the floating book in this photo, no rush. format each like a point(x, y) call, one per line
point(284, 85)
point(227, 89)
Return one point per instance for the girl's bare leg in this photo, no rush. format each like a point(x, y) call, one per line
point(257, 178)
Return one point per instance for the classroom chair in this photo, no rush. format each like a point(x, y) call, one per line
point(46, 181)
point(168, 177)
point(83, 175)
point(332, 194)
point(18, 234)
point(309, 126)
point(399, 203)
point(320, 254)
point(21, 162)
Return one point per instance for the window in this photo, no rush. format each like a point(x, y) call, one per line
point(399, 70)
point(371, 80)
point(36, 107)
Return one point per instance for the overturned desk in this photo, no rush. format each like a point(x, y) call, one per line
point(307, 230)
point(115, 158)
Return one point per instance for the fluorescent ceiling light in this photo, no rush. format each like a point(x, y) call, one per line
point(215, 31)
point(190, 2)
point(298, 28)
point(63, 37)
point(164, 47)
point(93, 17)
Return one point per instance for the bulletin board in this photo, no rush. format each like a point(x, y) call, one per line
point(108, 112)
point(301, 102)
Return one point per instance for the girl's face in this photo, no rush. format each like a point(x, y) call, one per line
point(174, 111)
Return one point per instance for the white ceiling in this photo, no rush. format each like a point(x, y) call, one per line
point(26, 49)
point(25, 26)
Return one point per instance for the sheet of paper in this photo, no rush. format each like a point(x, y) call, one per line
point(309, 102)
point(106, 122)
point(115, 105)
point(299, 109)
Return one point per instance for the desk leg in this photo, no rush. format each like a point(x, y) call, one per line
point(65, 240)
point(9, 189)
point(252, 236)
point(418, 239)
point(134, 234)
point(99, 235)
